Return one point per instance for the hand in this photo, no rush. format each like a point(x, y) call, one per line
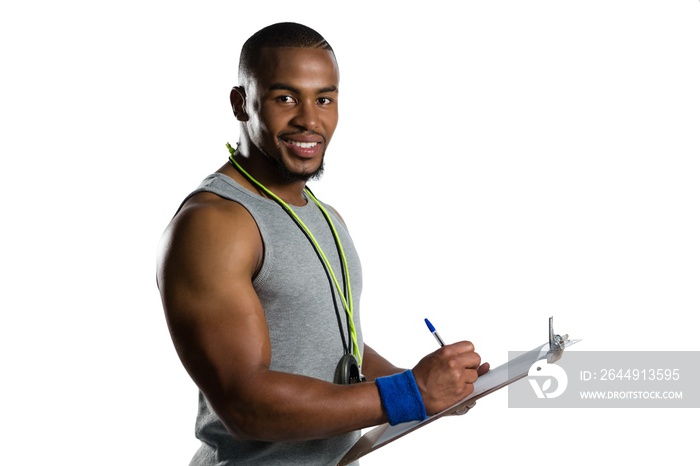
point(469, 404)
point(447, 376)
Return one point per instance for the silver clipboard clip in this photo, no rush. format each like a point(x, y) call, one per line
point(557, 343)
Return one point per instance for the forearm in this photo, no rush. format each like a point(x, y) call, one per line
point(274, 406)
point(374, 365)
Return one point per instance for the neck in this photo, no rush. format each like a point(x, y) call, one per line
point(264, 172)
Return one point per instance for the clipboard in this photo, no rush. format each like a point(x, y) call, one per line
point(503, 375)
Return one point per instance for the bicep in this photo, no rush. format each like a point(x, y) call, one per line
point(214, 316)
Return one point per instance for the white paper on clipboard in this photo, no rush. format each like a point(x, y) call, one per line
point(505, 374)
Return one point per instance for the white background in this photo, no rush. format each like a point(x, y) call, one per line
point(497, 163)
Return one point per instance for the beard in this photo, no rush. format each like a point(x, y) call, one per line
point(290, 175)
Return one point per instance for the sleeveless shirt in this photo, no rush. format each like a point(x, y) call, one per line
point(305, 338)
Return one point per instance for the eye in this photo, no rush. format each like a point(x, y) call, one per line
point(325, 100)
point(285, 99)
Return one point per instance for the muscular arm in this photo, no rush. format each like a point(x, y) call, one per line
point(207, 261)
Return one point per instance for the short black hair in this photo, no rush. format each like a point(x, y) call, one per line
point(278, 35)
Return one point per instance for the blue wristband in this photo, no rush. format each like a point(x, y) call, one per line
point(401, 398)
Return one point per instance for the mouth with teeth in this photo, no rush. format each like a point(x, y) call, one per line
point(304, 149)
point(304, 145)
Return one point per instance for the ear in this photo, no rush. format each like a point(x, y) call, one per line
point(238, 103)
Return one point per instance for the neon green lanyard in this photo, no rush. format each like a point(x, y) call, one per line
point(345, 296)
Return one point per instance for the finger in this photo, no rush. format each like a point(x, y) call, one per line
point(484, 368)
point(471, 360)
point(459, 347)
point(470, 376)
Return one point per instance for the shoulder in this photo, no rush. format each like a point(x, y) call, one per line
point(207, 206)
point(329, 208)
point(217, 219)
point(210, 231)
point(335, 211)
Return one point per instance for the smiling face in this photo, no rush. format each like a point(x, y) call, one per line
point(290, 109)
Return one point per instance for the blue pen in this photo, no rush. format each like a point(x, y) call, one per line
point(434, 332)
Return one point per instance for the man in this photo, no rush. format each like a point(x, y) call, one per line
point(261, 283)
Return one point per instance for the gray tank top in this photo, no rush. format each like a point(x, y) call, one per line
point(305, 338)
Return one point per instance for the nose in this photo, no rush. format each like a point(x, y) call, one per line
point(306, 116)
